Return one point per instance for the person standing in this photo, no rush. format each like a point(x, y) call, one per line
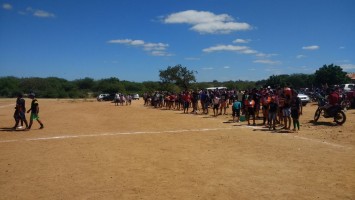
point(216, 102)
point(265, 100)
point(250, 105)
point(187, 100)
point(296, 110)
point(34, 111)
point(223, 103)
point(194, 99)
point(237, 105)
point(272, 108)
point(203, 100)
point(286, 112)
point(20, 111)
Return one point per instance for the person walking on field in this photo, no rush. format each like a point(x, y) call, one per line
point(20, 111)
point(34, 111)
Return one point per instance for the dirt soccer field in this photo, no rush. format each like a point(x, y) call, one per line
point(95, 150)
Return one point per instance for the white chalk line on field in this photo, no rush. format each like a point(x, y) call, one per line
point(8, 105)
point(319, 141)
point(113, 134)
point(157, 132)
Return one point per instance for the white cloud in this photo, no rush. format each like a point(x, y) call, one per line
point(313, 47)
point(269, 62)
point(43, 14)
point(160, 53)
point(7, 6)
point(342, 47)
point(300, 56)
point(207, 22)
point(192, 58)
point(348, 66)
point(249, 51)
point(226, 67)
point(266, 55)
point(225, 48)
point(37, 13)
point(239, 49)
point(241, 41)
point(155, 49)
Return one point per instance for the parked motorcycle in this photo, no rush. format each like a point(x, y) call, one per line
point(335, 112)
point(348, 100)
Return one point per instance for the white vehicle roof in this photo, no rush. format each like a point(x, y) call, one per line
point(216, 88)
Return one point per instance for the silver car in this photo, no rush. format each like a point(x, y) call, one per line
point(304, 98)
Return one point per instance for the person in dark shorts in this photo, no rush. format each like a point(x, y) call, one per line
point(20, 111)
point(272, 107)
point(216, 103)
point(296, 111)
point(237, 105)
point(249, 104)
point(34, 111)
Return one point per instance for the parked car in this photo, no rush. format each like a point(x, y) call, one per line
point(347, 87)
point(100, 97)
point(135, 97)
point(109, 97)
point(304, 98)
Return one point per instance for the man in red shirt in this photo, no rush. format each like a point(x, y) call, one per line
point(333, 99)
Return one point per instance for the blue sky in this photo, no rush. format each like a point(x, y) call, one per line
point(133, 39)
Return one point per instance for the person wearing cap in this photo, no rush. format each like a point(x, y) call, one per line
point(34, 111)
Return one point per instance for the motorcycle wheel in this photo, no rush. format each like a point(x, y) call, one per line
point(317, 115)
point(346, 104)
point(340, 117)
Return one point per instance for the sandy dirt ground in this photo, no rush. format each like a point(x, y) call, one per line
point(96, 150)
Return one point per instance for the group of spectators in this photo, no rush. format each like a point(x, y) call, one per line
point(279, 106)
point(121, 99)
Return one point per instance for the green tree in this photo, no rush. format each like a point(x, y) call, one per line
point(300, 80)
point(331, 75)
point(85, 84)
point(110, 85)
point(132, 87)
point(9, 86)
point(178, 75)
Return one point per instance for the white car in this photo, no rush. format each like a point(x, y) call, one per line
point(347, 87)
point(304, 98)
point(135, 97)
point(100, 97)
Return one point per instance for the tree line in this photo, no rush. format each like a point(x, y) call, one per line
point(175, 79)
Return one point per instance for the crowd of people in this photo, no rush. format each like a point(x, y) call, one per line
point(121, 99)
point(20, 112)
point(276, 107)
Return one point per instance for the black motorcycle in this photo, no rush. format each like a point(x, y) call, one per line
point(335, 112)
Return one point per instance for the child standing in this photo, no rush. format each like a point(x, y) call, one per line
point(237, 105)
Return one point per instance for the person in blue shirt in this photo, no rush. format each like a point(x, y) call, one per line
point(237, 105)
